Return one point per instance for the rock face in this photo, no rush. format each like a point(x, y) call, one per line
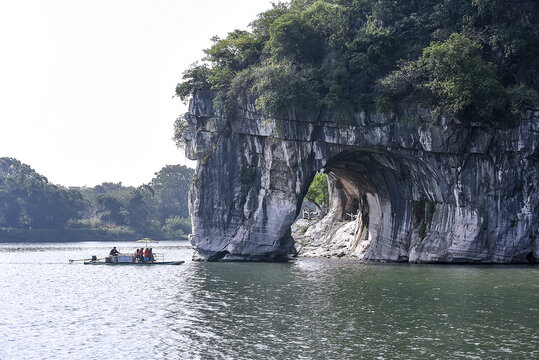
point(448, 193)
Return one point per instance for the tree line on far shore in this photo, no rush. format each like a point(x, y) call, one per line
point(158, 209)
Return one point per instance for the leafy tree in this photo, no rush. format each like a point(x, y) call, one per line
point(176, 225)
point(261, 26)
point(281, 86)
point(369, 53)
point(29, 200)
point(196, 77)
point(11, 207)
point(318, 192)
point(234, 51)
point(144, 209)
point(452, 77)
point(110, 210)
point(137, 212)
point(292, 39)
point(171, 186)
point(379, 55)
point(522, 98)
point(180, 126)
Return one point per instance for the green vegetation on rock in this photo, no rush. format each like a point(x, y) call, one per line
point(318, 192)
point(475, 60)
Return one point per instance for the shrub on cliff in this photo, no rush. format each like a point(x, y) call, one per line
point(477, 59)
point(452, 78)
point(196, 77)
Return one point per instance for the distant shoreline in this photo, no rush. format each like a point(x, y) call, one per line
point(72, 235)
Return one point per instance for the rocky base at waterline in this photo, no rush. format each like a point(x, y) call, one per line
point(319, 238)
point(329, 239)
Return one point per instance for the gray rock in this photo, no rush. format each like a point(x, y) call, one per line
point(448, 193)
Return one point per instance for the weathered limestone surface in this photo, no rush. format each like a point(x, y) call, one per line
point(450, 193)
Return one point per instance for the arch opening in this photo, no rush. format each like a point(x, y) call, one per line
point(381, 206)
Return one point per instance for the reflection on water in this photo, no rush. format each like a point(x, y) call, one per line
point(320, 309)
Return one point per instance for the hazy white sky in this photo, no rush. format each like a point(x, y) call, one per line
point(86, 85)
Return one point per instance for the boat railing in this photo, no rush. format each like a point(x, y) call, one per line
point(159, 257)
point(131, 258)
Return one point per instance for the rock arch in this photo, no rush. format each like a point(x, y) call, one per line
point(449, 193)
point(394, 197)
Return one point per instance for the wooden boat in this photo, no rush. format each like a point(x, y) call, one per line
point(123, 259)
point(91, 262)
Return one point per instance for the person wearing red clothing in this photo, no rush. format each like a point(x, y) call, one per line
point(139, 254)
point(146, 254)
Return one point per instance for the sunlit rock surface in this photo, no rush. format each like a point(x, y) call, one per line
point(450, 193)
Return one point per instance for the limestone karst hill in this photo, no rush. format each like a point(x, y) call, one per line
point(423, 114)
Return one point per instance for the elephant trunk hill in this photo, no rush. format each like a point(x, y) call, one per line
point(446, 193)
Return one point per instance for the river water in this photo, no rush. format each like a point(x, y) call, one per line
point(308, 309)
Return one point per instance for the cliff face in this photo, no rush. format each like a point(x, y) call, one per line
point(449, 193)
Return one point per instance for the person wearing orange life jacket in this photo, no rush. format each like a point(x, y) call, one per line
point(139, 254)
point(147, 254)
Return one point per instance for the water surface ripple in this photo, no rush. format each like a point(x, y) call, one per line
point(309, 309)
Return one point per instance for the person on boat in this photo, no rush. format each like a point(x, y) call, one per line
point(147, 254)
point(138, 253)
point(141, 254)
point(114, 252)
point(150, 255)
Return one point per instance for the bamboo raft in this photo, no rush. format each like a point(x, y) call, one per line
point(124, 259)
